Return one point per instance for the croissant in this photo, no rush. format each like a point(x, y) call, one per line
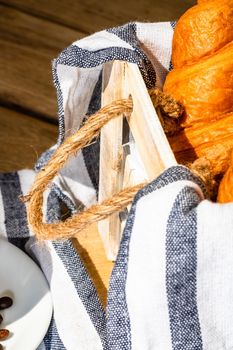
point(202, 81)
point(202, 31)
point(225, 193)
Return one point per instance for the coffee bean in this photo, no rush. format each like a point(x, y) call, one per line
point(5, 302)
point(1, 347)
point(1, 319)
point(4, 333)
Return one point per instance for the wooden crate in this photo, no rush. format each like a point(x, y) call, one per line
point(122, 164)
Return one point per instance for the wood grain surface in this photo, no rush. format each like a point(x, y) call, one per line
point(32, 34)
point(22, 139)
point(28, 45)
point(91, 15)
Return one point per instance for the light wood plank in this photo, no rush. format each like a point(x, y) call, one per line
point(92, 15)
point(28, 45)
point(150, 139)
point(90, 247)
point(111, 156)
point(121, 80)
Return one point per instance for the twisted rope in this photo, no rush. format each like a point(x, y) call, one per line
point(74, 143)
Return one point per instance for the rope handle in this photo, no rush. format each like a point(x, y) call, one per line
point(82, 138)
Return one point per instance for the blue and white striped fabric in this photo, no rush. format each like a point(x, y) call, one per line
point(171, 286)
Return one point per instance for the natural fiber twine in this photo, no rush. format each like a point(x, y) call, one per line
point(73, 144)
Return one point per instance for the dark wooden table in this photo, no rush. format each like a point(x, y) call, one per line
point(32, 34)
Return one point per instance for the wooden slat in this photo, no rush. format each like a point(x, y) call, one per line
point(121, 80)
point(28, 45)
point(132, 174)
point(111, 156)
point(23, 139)
point(90, 247)
point(92, 15)
point(150, 139)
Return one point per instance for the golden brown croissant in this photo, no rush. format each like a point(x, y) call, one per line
point(225, 192)
point(202, 80)
point(202, 30)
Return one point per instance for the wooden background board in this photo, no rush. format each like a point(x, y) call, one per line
point(32, 34)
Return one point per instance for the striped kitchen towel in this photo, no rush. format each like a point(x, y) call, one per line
point(171, 287)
